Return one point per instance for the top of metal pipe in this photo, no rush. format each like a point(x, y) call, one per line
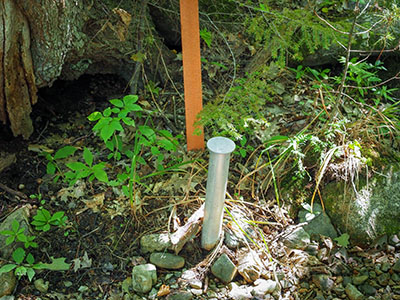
point(220, 145)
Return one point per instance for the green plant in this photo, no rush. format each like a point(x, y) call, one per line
point(110, 122)
point(81, 170)
point(343, 240)
point(43, 219)
point(148, 146)
point(52, 167)
point(206, 36)
point(23, 263)
point(17, 233)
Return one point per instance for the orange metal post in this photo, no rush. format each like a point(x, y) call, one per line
point(191, 71)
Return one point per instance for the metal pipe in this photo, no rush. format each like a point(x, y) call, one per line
point(220, 149)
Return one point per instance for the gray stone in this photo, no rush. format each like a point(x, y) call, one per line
point(143, 278)
point(7, 283)
point(323, 281)
point(297, 239)
point(360, 279)
point(167, 260)
point(353, 293)
point(321, 224)
point(263, 287)
point(224, 269)
point(242, 292)
point(371, 211)
point(22, 216)
point(180, 295)
point(155, 242)
point(41, 285)
point(367, 290)
point(192, 278)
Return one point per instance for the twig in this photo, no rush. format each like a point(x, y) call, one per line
point(13, 192)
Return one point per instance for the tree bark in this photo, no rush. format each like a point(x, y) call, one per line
point(46, 40)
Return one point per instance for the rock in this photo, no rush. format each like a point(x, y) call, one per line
point(297, 239)
point(192, 278)
point(322, 281)
point(180, 295)
point(367, 289)
point(383, 279)
point(396, 266)
point(7, 283)
point(360, 279)
point(196, 292)
point(353, 293)
point(371, 212)
point(250, 265)
point(263, 287)
point(321, 224)
point(22, 216)
point(224, 269)
point(155, 242)
point(143, 278)
point(242, 292)
point(231, 239)
point(41, 285)
point(385, 267)
point(167, 260)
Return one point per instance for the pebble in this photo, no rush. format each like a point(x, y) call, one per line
point(383, 279)
point(224, 269)
point(297, 239)
point(167, 260)
point(385, 267)
point(353, 293)
point(360, 279)
point(263, 287)
point(242, 292)
point(143, 278)
point(368, 290)
point(155, 242)
point(180, 295)
point(396, 266)
point(322, 281)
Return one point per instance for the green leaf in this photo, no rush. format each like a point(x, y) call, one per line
point(107, 112)
point(95, 116)
point(10, 240)
point(15, 225)
point(117, 103)
point(128, 121)
point(167, 145)
point(46, 227)
point(101, 123)
point(6, 232)
point(147, 132)
point(165, 133)
point(154, 150)
point(30, 273)
point(18, 255)
point(343, 240)
point(115, 125)
point(30, 259)
point(100, 174)
point(57, 216)
point(64, 152)
point(22, 238)
point(57, 264)
point(76, 166)
point(129, 99)
point(7, 268)
point(50, 168)
point(106, 132)
point(20, 271)
point(88, 156)
point(134, 107)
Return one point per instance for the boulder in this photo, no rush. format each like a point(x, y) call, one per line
point(367, 209)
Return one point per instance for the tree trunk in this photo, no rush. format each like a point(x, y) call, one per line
point(45, 40)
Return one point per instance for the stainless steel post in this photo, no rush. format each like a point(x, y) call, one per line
point(220, 149)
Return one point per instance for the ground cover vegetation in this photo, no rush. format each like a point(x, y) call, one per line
point(295, 126)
